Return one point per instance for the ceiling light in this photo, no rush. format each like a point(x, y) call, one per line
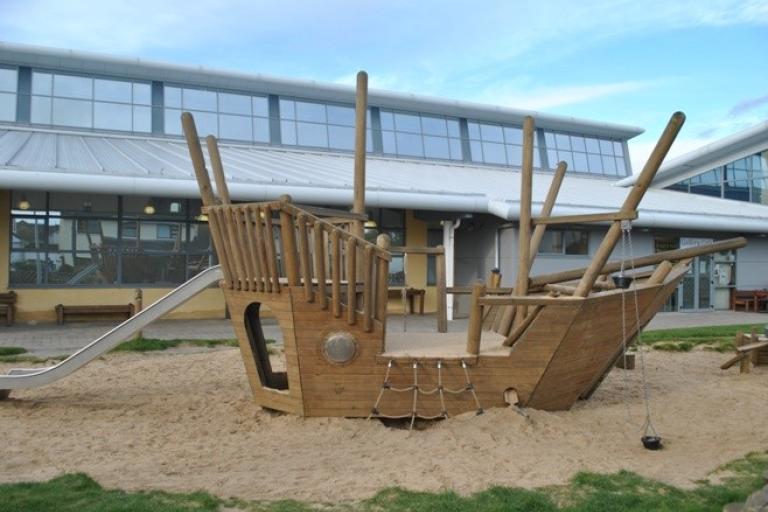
point(23, 203)
point(149, 208)
point(370, 224)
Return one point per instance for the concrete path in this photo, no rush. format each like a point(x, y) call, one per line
point(54, 340)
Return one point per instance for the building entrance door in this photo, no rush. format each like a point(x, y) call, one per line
point(695, 292)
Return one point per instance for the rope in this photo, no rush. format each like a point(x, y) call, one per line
point(648, 424)
point(416, 390)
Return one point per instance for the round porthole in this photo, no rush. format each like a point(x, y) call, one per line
point(339, 347)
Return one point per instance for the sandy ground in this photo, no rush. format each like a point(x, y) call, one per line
point(186, 422)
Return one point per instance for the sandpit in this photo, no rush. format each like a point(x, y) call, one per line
point(185, 422)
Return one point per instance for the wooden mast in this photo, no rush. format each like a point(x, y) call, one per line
point(630, 203)
point(361, 110)
point(524, 238)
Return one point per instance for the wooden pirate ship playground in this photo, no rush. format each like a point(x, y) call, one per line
point(545, 343)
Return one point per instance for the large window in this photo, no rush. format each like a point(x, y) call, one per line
point(499, 144)
point(586, 154)
point(319, 125)
point(390, 222)
point(98, 240)
point(420, 135)
point(227, 115)
point(567, 241)
point(9, 79)
point(745, 179)
point(88, 102)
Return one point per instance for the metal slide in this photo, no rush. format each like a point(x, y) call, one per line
point(20, 378)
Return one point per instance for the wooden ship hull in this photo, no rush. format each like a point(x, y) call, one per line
point(544, 344)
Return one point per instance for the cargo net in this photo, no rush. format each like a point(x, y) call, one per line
point(417, 390)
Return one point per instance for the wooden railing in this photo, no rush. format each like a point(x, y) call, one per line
point(264, 247)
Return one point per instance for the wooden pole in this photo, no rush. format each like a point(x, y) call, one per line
point(631, 203)
point(361, 110)
point(524, 237)
point(288, 234)
point(319, 257)
point(643, 261)
point(351, 254)
point(198, 161)
point(546, 211)
point(475, 329)
point(138, 305)
point(382, 281)
point(218, 169)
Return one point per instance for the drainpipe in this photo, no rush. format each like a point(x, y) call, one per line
point(449, 229)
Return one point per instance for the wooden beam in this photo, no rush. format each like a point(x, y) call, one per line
point(660, 273)
point(475, 329)
point(560, 288)
point(546, 210)
point(583, 219)
point(198, 161)
point(524, 225)
point(407, 249)
point(520, 329)
point(643, 261)
point(218, 169)
point(528, 300)
point(631, 203)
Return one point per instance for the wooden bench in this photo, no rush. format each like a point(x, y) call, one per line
point(744, 298)
point(98, 311)
point(751, 350)
point(8, 307)
point(410, 294)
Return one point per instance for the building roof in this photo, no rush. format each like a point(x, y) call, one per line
point(57, 160)
point(739, 145)
point(100, 64)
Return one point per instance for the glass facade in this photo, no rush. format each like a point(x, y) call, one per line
point(227, 115)
point(75, 240)
point(602, 157)
point(745, 179)
point(124, 105)
point(89, 102)
point(319, 125)
point(499, 144)
point(411, 134)
point(9, 83)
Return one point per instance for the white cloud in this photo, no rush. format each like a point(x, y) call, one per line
point(548, 97)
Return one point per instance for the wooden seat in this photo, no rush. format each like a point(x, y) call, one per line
point(743, 298)
point(93, 311)
point(8, 307)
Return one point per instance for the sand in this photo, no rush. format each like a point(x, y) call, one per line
point(186, 422)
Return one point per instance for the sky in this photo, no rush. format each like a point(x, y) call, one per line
point(628, 62)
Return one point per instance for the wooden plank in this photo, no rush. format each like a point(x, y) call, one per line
point(749, 347)
point(253, 249)
point(261, 248)
point(319, 258)
point(198, 161)
point(585, 218)
point(238, 219)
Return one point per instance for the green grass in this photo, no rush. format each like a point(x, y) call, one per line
point(719, 338)
point(11, 351)
point(152, 344)
point(587, 492)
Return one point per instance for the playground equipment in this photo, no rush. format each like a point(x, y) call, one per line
point(751, 350)
point(544, 344)
point(550, 340)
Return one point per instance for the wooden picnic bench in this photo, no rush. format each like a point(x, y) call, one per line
point(743, 298)
point(91, 311)
point(751, 349)
point(8, 307)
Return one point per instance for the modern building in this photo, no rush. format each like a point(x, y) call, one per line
point(99, 196)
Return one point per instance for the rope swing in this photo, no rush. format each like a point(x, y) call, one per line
point(650, 439)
